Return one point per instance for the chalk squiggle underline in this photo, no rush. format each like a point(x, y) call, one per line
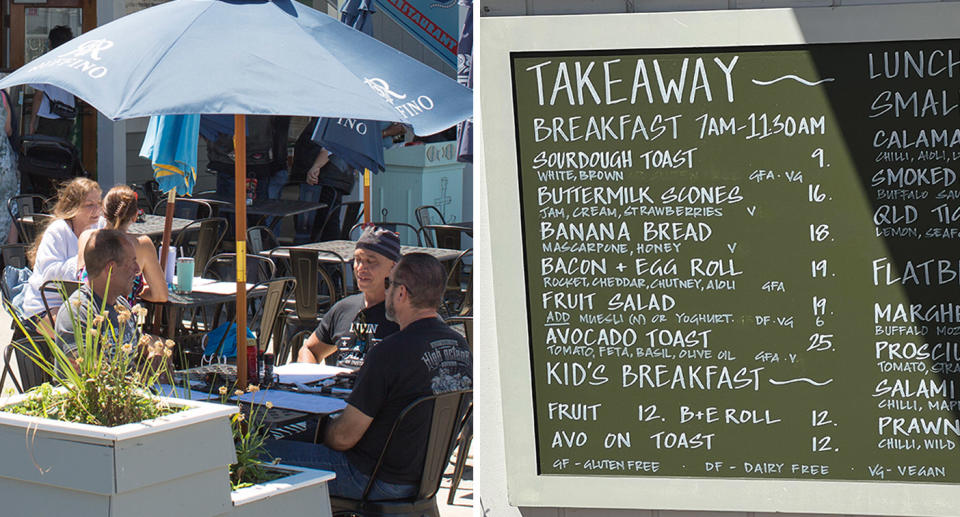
point(801, 379)
point(795, 78)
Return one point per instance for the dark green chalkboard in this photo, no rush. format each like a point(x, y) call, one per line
point(740, 247)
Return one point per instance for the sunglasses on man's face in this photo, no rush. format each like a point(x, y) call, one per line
point(387, 283)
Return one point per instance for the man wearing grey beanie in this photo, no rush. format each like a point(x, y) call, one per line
point(357, 322)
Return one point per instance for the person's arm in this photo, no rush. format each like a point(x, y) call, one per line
point(344, 432)
point(156, 288)
point(314, 350)
point(34, 109)
point(53, 261)
point(313, 175)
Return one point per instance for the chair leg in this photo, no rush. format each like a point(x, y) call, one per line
point(466, 436)
point(7, 355)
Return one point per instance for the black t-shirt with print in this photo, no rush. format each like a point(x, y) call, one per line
point(353, 329)
point(425, 358)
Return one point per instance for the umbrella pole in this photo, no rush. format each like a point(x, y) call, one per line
point(366, 195)
point(165, 248)
point(240, 200)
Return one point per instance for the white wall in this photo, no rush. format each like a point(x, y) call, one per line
point(490, 468)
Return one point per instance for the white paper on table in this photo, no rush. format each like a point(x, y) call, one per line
point(305, 373)
point(306, 402)
point(213, 287)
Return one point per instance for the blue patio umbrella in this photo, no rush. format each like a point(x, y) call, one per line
point(241, 57)
point(276, 57)
point(171, 146)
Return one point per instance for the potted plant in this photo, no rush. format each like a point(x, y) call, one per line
point(259, 487)
point(103, 444)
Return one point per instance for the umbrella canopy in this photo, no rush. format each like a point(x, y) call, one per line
point(274, 57)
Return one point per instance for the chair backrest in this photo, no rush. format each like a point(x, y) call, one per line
point(349, 212)
point(315, 286)
point(32, 205)
point(409, 234)
point(428, 214)
point(186, 208)
point(261, 238)
point(223, 267)
point(287, 349)
point(58, 287)
point(457, 298)
point(202, 238)
point(148, 194)
point(278, 290)
point(30, 374)
point(13, 255)
point(442, 236)
point(448, 410)
point(464, 322)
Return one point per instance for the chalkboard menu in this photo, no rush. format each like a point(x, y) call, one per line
point(743, 262)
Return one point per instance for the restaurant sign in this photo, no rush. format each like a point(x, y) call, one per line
point(434, 22)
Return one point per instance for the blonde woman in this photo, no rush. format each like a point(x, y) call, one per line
point(54, 251)
point(119, 212)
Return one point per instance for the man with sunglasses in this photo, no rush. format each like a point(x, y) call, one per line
point(425, 357)
point(356, 323)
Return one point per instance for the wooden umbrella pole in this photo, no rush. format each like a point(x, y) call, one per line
point(366, 195)
point(165, 249)
point(240, 200)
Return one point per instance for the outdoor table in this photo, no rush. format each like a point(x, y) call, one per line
point(269, 207)
point(152, 225)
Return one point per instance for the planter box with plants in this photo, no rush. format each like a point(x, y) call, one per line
point(102, 444)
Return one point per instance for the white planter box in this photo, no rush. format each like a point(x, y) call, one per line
point(302, 493)
point(173, 465)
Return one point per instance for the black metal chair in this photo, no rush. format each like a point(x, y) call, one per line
point(448, 412)
point(223, 267)
point(186, 208)
point(13, 255)
point(201, 239)
point(458, 295)
point(30, 206)
point(265, 311)
point(464, 325)
point(61, 288)
point(288, 348)
point(443, 236)
point(148, 194)
point(29, 375)
point(316, 288)
point(260, 239)
point(350, 212)
point(428, 214)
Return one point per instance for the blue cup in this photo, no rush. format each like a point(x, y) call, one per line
point(185, 268)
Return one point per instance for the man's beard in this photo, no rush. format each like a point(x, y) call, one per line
point(389, 310)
